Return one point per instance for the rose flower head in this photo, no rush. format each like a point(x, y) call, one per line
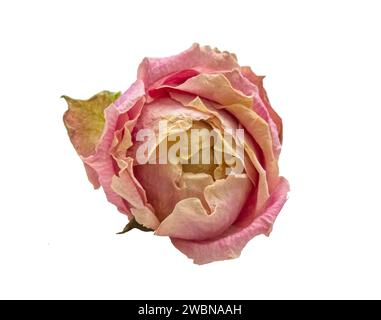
point(189, 151)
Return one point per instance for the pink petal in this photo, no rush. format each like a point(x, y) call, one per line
point(258, 81)
point(174, 186)
point(230, 244)
point(200, 59)
point(126, 186)
point(253, 165)
point(167, 177)
point(165, 109)
point(162, 109)
point(92, 176)
point(216, 87)
point(259, 130)
point(101, 161)
point(179, 77)
point(189, 219)
point(239, 82)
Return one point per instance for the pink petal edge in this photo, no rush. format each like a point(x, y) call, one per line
point(101, 161)
point(230, 244)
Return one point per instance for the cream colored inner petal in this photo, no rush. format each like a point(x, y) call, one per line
point(167, 184)
point(253, 167)
point(225, 200)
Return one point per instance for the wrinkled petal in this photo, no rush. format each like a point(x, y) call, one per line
point(179, 119)
point(166, 176)
point(219, 118)
point(122, 141)
point(239, 82)
point(216, 87)
point(258, 81)
point(189, 220)
point(92, 175)
point(253, 167)
point(179, 77)
point(165, 109)
point(193, 185)
point(174, 186)
point(200, 59)
point(102, 161)
point(230, 244)
point(126, 186)
point(260, 132)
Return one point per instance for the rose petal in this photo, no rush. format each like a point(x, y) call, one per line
point(165, 109)
point(259, 130)
point(258, 81)
point(253, 166)
point(179, 77)
point(200, 59)
point(239, 82)
point(92, 176)
point(178, 117)
point(230, 244)
point(174, 186)
point(126, 186)
point(102, 161)
point(216, 87)
point(189, 220)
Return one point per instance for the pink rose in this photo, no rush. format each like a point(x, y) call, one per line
point(209, 209)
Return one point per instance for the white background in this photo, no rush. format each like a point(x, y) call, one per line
point(322, 62)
